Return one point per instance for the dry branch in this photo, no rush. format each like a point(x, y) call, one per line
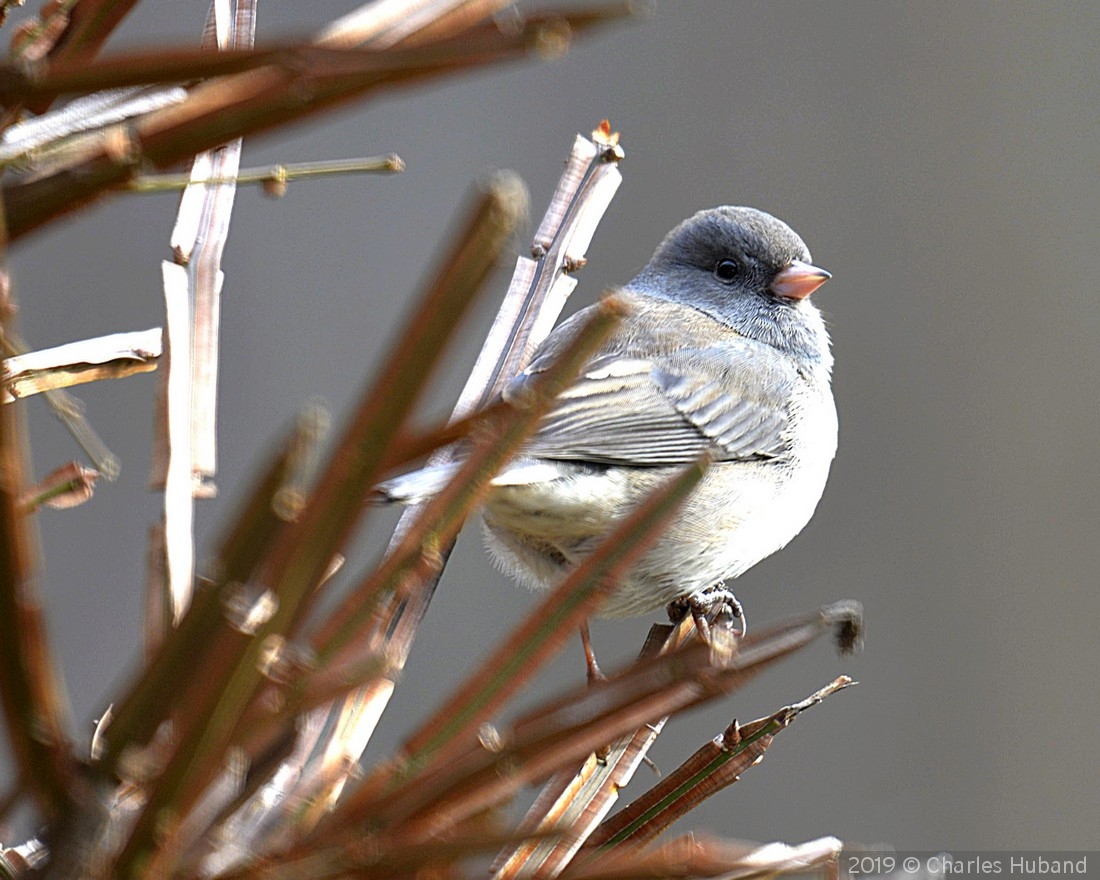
point(105, 357)
point(34, 703)
point(307, 80)
point(535, 297)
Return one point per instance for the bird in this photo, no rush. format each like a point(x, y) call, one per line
point(720, 352)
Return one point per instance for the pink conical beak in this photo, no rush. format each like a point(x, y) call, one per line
point(799, 280)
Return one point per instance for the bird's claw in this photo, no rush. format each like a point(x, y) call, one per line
point(714, 606)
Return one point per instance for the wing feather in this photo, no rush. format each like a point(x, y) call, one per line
point(667, 409)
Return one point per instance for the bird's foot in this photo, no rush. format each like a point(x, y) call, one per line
point(594, 673)
point(595, 676)
point(714, 607)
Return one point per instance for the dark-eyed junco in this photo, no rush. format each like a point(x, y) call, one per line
point(721, 350)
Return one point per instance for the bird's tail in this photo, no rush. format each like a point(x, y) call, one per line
point(415, 486)
point(422, 485)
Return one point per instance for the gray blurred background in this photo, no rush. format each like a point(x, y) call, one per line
point(940, 159)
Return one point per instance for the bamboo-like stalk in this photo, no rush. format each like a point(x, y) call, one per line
point(535, 297)
point(89, 23)
point(716, 765)
point(179, 544)
point(311, 80)
point(387, 23)
point(408, 805)
point(575, 804)
point(701, 856)
point(89, 360)
point(198, 241)
point(67, 408)
point(35, 707)
point(367, 440)
point(186, 469)
point(301, 553)
point(339, 636)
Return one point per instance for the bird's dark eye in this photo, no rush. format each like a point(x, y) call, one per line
point(726, 271)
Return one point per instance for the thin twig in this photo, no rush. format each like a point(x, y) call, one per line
point(66, 486)
point(311, 80)
point(274, 175)
point(32, 699)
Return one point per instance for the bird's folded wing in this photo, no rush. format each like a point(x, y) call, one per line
point(668, 410)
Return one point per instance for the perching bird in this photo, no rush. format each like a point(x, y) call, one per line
point(721, 351)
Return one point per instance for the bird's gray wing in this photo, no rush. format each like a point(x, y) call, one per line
point(668, 409)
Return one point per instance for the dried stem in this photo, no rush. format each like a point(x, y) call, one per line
point(309, 79)
point(530, 308)
point(274, 177)
point(90, 360)
point(713, 767)
point(232, 665)
point(185, 466)
point(35, 707)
